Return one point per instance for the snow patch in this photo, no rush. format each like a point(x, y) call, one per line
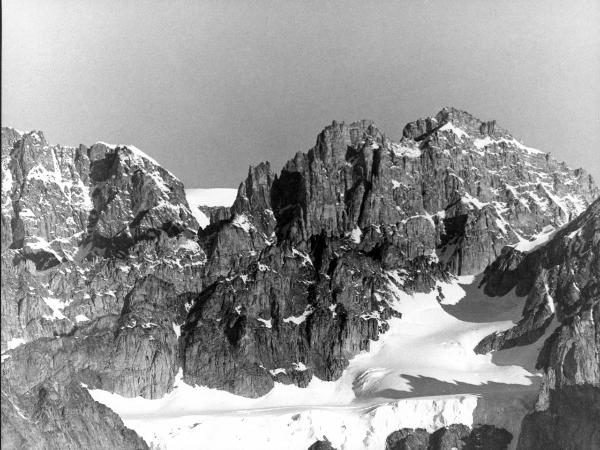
point(300, 367)
point(177, 329)
point(266, 323)
point(263, 267)
point(409, 152)
point(110, 146)
point(42, 244)
point(211, 197)
point(356, 235)
point(468, 199)
point(56, 305)
point(527, 246)
point(465, 279)
point(549, 300)
point(200, 217)
point(138, 154)
point(14, 343)
point(242, 221)
point(453, 293)
point(305, 258)
point(188, 245)
point(301, 318)
point(7, 180)
point(458, 132)
point(487, 141)
point(208, 197)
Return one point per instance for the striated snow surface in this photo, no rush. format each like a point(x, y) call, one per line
point(421, 373)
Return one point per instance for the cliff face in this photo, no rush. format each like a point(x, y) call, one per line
point(448, 197)
point(561, 280)
point(468, 183)
point(93, 240)
point(107, 280)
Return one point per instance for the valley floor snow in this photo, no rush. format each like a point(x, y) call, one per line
point(421, 373)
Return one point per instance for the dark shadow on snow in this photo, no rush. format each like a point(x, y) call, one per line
point(477, 307)
point(430, 387)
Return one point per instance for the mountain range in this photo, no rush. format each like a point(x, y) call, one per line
point(435, 292)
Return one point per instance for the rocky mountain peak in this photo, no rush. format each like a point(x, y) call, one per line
point(108, 280)
point(447, 170)
point(9, 137)
point(462, 123)
point(104, 198)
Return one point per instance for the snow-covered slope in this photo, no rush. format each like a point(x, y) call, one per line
point(211, 197)
point(208, 197)
point(422, 373)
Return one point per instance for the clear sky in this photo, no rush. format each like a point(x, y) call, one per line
point(209, 87)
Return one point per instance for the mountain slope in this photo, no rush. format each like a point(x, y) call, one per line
point(561, 281)
point(107, 280)
point(421, 373)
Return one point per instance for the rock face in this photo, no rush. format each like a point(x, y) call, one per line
point(454, 436)
point(321, 445)
point(303, 258)
point(561, 279)
point(108, 282)
point(62, 417)
point(478, 190)
point(97, 246)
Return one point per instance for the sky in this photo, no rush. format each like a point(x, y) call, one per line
point(209, 87)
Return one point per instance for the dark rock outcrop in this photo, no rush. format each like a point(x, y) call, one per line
point(322, 445)
point(52, 416)
point(455, 436)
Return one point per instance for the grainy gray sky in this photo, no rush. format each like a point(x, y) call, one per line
point(209, 87)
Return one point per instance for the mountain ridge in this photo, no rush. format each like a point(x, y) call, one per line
point(288, 284)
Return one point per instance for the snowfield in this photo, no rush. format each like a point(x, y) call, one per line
point(208, 197)
point(421, 373)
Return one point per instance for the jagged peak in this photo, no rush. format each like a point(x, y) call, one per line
point(21, 133)
point(9, 137)
point(334, 139)
point(37, 137)
point(356, 130)
point(33, 136)
point(7, 129)
point(132, 149)
point(448, 113)
point(461, 120)
point(472, 124)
